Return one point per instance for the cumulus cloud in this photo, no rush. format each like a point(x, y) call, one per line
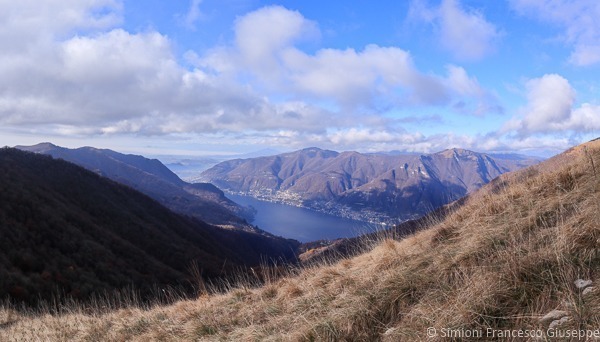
point(579, 19)
point(464, 33)
point(83, 75)
point(266, 47)
point(113, 81)
point(354, 78)
point(550, 99)
point(261, 36)
point(550, 108)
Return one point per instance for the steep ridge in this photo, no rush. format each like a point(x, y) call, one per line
point(67, 230)
point(519, 259)
point(150, 176)
point(369, 187)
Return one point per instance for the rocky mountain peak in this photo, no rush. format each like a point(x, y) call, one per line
point(457, 152)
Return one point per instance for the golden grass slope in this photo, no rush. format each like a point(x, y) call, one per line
point(503, 260)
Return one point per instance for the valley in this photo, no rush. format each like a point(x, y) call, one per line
point(281, 201)
point(366, 190)
point(522, 249)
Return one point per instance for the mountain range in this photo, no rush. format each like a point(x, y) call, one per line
point(85, 228)
point(515, 260)
point(369, 187)
point(149, 176)
point(67, 230)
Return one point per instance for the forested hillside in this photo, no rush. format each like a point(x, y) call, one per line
point(65, 229)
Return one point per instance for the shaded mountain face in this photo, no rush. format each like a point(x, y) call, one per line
point(68, 230)
point(371, 187)
point(150, 176)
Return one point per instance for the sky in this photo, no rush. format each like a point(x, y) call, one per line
point(202, 77)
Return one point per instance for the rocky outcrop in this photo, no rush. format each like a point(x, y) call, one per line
point(557, 318)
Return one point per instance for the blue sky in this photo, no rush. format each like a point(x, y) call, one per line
point(194, 77)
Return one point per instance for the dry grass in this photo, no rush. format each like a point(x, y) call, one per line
point(501, 261)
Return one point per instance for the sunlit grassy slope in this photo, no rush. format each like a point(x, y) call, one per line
point(504, 259)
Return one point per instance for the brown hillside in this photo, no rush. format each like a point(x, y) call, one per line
point(507, 257)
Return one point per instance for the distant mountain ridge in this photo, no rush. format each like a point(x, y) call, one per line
point(368, 187)
point(150, 176)
point(190, 167)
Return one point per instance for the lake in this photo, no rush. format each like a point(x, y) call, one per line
point(300, 224)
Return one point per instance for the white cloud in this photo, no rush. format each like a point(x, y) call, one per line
point(89, 79)
point(550, 99)
point(459, 81)
point(361, 77)
point(550, 108)
point(356, 136)
point(265, 33)
point(193, 14)
point(85, 76)
point(381, 139)
point(472, 97)
point(536, 145)
point(579, 18)
point(118, 82)
point(585, 118)
point(25, 21)
point(266, 47)
point(585, 54)
point(464, 33)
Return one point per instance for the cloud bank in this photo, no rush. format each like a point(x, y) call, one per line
point(86, 75)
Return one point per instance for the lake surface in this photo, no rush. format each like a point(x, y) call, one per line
point(301, 224)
